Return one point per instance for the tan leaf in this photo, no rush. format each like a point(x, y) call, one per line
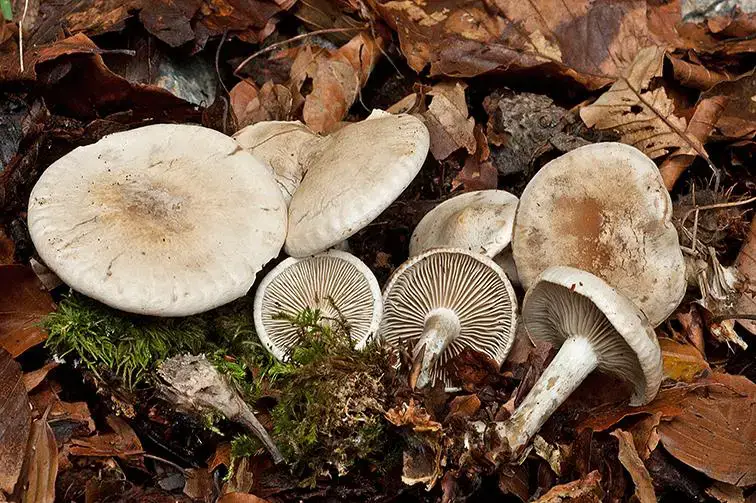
point(628, 456)
point(448, 120)
point(412, 414)
point(199, 484)
point(696, 76)
point(33, 378)
point(746, 264)
point(585, 490)
point(738, 120)
point(464, 406)
point(122, 442)
point(23, 303)
point(242, 96)
point(73, 412)
point(222, 456)
point(682, 362)
point(643, 117)
point(726, 493)
point(15, 422)
point(715, 432)
point(37, 483)
point(240, 498)
point(646, 434)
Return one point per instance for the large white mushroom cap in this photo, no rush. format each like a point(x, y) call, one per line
point(165, 220)
point(336, 283)
point(603, 208)
point(353, 175)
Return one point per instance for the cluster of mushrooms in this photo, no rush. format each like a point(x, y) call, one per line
point(173, 220)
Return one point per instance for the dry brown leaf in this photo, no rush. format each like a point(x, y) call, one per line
point(15, 422)
point(122, 442)
point(646, 434)
point(412, 414)
point(222, 456)
point(199, 484)
point(465, 406)
point(240, 498)
point(23, 303)
point(643, 117)
point(682, 362)
point(514, 480)
point(746, 264)
point(716, 432)
point(37, 482)
point(585, 490)
point(7, 249)
point(35, 377)
point(76, 413)
point(448, 120)
point(693, 328)
point(726, 493)
point(738, 120)
point(628, 456)
point(695, 75)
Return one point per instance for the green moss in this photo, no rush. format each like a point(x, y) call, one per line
point(331, 409)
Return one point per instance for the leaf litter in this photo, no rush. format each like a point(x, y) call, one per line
point(503, 88)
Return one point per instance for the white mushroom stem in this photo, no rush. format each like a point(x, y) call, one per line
point(440, 329)
point(571, 365)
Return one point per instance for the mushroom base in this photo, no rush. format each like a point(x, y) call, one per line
point(572, 364)
point(441, 328)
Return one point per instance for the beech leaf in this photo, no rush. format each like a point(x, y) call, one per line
point(24, 301)
point(628, 456)
point(15, 422)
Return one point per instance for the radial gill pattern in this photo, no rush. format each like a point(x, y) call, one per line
point(470, 285)
point(554, 313)
point(336, 283)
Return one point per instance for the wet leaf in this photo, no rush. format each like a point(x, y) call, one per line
point(644, 117)
point(682, 362)
point(24, 302)
point(585, 490)
point(628, 456)
point(121, 443)
point(746, 264)
point(15, 422)
point(37, 484)
point(715, 432)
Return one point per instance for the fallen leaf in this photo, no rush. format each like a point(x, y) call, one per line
point(549, 453)
point(273, 102)
point(199, 484)
point(644, 117)
point(33, 378)
point(24, 302)
point(15, 422)
point(726, 493)
point(716, 432)
point(464, 406)
point(514, 480)
point(584, 490)
point(695, 75)
point(221, 456)
point(682, 362)
point(628, 456)
point(414, 415)
point(68, 418)
point(646, 434)
point(746, 265)
point(37, 482)
point(7, 246)
point(448, 121)
point(121, 443)
point(240, 498)
point(693, 328)
point(471, 369)
point(738, 119)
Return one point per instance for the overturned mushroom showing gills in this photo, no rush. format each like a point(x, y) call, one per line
point(165, 220)
point(351, 177)
point(444, 301)
point(479, 221)
point(336, 283)
point(603, 208)
point(285, 146)
point(595, 327)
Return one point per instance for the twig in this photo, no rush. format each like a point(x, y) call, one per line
point(217, 56)
point(275, 46)
point(162, 460)
point(723, 317)
point(715, 206)
point(21, 36)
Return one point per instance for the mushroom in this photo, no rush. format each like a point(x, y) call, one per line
point(165, 220)
point(337, 283)
point(444, 301)
point(479, 221)
point(603, 208)
point(351, 177)
point(285, 145)
point(595, 327)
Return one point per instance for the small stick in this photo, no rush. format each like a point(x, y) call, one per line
point(21, 36)
point(715, 206)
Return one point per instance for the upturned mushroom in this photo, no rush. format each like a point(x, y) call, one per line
point(603, 208)
point(286, 146)
point(595, 327)
point(444, 301)
point(336, 283)
point(479, 221)
point(165, 220)
point(347, 177)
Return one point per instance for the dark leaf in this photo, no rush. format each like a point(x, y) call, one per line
point(24, 302)
point(15, 422)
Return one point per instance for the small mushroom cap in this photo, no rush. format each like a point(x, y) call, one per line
point(480, 221)
point(357, 173)
point(469, 284)
point(565, 301)
point(165, 220)
point(337, 283)
point(603, 208)
point(283, 145)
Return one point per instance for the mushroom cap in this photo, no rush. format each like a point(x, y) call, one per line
point(469, 284)
point(603, 208)
point(479, 221)
point(565, 301)
point(336, 282)
point(165, 220)
point(356, 173)
point(283, 145)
